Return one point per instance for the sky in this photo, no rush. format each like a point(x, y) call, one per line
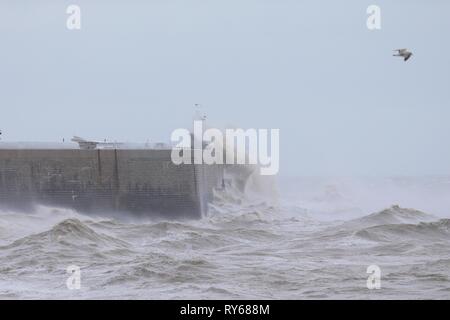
point(344, 105)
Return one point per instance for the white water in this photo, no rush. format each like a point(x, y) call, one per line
point(308, 238)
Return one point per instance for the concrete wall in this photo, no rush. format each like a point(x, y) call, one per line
point(144, 182)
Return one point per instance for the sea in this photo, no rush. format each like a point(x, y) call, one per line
point(271, 238)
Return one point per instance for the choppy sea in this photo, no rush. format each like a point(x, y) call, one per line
point(295, 238)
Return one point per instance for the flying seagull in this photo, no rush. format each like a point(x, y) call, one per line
point(403, 53)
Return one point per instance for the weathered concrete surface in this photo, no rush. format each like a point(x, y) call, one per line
point(144, 182)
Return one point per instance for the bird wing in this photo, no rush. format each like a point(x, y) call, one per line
point(407, 56)
point(400, 50)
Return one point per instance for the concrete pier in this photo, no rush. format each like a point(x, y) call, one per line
point(143, 181)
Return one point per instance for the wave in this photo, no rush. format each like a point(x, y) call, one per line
point(71, 233)
point(392, 215)
point(395, 225)
point(424, 231)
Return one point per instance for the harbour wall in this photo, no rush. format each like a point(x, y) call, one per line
point(143, 182)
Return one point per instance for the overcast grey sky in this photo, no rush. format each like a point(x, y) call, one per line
point(343, 104)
